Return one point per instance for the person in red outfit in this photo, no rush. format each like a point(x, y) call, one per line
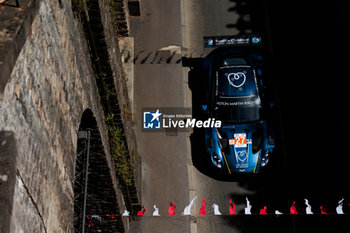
point(142, 211)
point(293, 209)
point(202, 209)
point(263, 210)
point(323, 210)
point(171, 210)
point(232, 208)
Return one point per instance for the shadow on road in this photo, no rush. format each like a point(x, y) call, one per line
point(250, 14)
point(306, 162)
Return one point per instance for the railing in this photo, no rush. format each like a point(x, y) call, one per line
point(81, 181)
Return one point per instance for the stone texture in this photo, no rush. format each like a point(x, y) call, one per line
point(51, 85)
point(14, 29)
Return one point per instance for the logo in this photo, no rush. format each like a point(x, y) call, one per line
point(151, 120)
point(255, 40)
point(242, 156)
point(236, 79)
point(241, 159)
point(163, 119)
point(210, 42)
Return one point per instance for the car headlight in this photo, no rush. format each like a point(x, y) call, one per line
point(216, 160)
point(265, 158)
point(222, 140)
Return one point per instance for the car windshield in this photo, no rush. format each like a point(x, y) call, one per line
point(237, 97)
point(233, 61)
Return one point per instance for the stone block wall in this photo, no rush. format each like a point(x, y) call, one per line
point(51, 85)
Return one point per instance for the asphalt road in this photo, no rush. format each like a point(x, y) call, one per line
point(158, 83)
point(304, 46)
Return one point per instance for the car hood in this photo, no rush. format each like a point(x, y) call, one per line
point(241, 154)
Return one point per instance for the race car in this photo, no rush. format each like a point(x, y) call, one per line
point(234, 94)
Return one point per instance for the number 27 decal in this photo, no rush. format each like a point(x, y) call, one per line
point(240, 140)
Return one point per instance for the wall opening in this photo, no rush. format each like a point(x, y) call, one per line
point(89, 14)
point(95, 201)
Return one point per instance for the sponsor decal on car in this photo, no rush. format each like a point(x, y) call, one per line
point(234, 40)
point(236, 79)
point(240, 140)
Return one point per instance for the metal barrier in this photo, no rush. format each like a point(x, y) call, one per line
point(81, 181)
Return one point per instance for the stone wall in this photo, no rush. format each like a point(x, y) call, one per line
point(50, 86)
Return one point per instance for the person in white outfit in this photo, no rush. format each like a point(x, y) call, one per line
point(156, 211)
point(308, 207)
point(216, 209)
point(339, 208)
point(187, 210)
point(248, 208)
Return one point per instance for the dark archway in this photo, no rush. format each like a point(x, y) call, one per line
point(95, 201)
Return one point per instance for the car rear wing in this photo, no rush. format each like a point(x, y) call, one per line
point(226, 41)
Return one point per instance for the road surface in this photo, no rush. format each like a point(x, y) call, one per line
point(306, 76)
